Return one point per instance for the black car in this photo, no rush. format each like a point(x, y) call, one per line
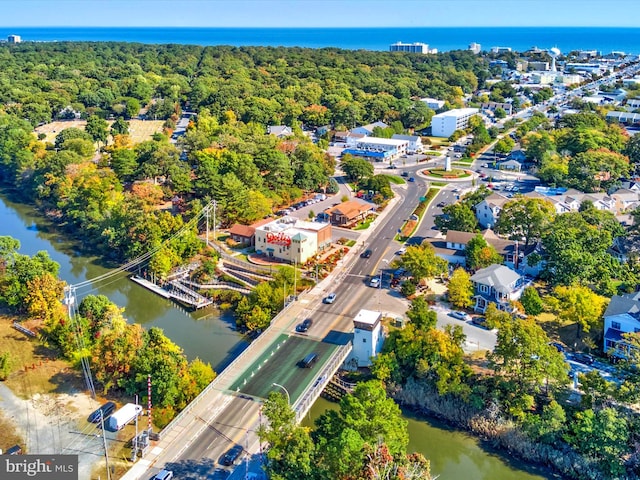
point(480, 322)
point(232, 455)
point(442, 204)
point(305, 325)
point(404, 174)
point(106, 410)
point(583, 358)
point(366, 254)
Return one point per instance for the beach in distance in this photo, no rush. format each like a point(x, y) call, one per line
point(602, 39)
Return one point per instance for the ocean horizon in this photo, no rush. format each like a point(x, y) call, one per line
point(602, 39)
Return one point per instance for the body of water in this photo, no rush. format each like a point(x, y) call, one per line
point(206, 334)
point(603, 39)
point(453, 454)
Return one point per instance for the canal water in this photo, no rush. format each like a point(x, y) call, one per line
point(209, 335)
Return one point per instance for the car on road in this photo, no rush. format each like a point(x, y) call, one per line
point(402, 251)
point(583, 358)
point(366, 254)
point(460, 315)
point(374, 282)
point(305, 325)
point(392, 167)
point(104, 411)
point(411, 179)
point(404, 174)
point(330, 298)
point(230, 457)
point(441, 204)
point(164, 475)
point(558, 346)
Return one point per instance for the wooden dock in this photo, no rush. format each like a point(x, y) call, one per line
point(177, 291)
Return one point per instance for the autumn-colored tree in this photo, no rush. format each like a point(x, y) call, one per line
point(460, 289)
point(578, 304)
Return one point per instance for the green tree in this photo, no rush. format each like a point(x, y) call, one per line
point(593, 170)
point(119, 127)
point(479, 254)
point(356, 168)
point(578, 304)
point(525, 219)
point(71, 133)
point(531, 301)
point(123, 162)
point(460, 289)
point(421, 315)
point(98, 129)
point(458, 217)
point(422, 261)
point(504, 145)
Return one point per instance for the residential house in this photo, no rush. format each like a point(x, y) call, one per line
point(415, 142)
point(624, 248)
point(511, 165)
point(340, 136)
point(433, 103)
point(621, 316)
point(625, 199)
point(492, 106)
point(280, 131)
point(348, 213)
point(353, 138)
point(324, 129)
point(518, 155)
point(367, 130)
point(496, 284)
point(246, 234)
point(488, 210)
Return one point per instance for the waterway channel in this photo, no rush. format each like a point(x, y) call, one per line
point(209, 335)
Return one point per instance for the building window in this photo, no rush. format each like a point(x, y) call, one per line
point(615, 325)
point(364, 340)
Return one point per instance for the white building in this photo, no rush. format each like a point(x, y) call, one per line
point(444, 124)
point(368, 339)
point(597, 68)
point(500, 49)
point(392, 146)
point(292, 240)
point(411, 48)
point(433, 103)
point(14, 39)
point(475, 47)
point(415, 141)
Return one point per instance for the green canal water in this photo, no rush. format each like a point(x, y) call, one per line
point(209, 335)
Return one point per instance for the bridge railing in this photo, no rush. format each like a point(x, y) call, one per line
point(313, 391)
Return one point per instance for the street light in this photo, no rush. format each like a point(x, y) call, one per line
point(285, 391)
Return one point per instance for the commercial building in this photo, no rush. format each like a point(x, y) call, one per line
point(444, 124)
point(538, 65)
point(500, 49)
point(367, 130)
point(291, 240)
point(475, 47)
point(378, 149)
point(411, 48)
point(368, 339)
point(14, 39)
point(415, 142)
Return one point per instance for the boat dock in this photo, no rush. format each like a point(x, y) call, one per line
point(177, 292)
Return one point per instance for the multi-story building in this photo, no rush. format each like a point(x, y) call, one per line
point(475, 47)
point(411, 48)
point(378, 149)
point(292, 240)
point(368, 338)
point(14, 39)
point(621, 316)
point(444, 124)
point(433, 103)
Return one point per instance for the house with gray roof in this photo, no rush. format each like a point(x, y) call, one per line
point(496, 284)
point(415, 142)
point(280, 131)
point(367, 130)
point(621, 316)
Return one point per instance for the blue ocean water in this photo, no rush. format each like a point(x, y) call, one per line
point(603, 39)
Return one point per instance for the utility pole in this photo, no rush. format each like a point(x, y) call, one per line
point(215, 205)
point(104, 442)
point(206, 238)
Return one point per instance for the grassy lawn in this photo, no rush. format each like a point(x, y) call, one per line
point(351, 243)
point(410, 226)
point(395, 179)
point(364, 225)
point(455, 173)
point(8, 435)
point(566, 332)
point(464, 161)
point(139, 130)
point(437, 141)
point(438, 184)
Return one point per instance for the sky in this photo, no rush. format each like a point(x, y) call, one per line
point(316, 13)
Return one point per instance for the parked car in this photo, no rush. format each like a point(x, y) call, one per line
point(480, 322)
point(330, 298)
point(374, 282)
point(583, 358)
point(104, 411)
point(402, 251)
point(392, 167)
point(366, 254)
point(558, 346)
point(230, 457)
point(442, 204)
point(460, 315)
point(411, 179)
point(304, 326)
point(404, 174)
point(164, 475)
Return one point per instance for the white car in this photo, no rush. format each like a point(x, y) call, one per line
point(374, 282)
point(402, 251)
point(330, 298)
point(460, 315)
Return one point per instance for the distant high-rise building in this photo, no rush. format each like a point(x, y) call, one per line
point(475, 47)
point(500, 49)
point(14, 39)
point(409, 47)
